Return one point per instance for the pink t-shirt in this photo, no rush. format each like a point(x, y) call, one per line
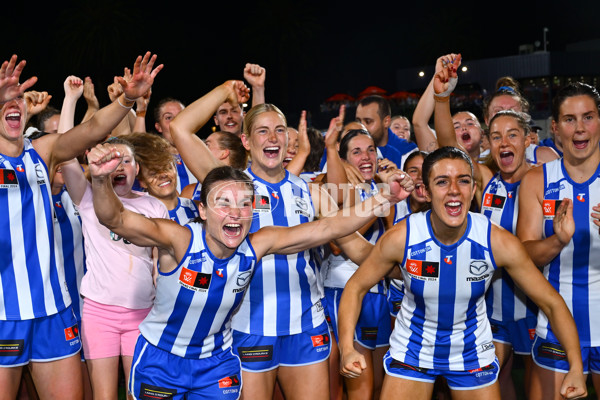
point(118, 273)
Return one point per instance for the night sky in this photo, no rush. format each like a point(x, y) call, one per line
point(310, 49)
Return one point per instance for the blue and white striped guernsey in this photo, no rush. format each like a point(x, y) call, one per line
point(69, 238)
point(338, 269)
point(283, 297)
point(185, 211)
point(505, 301)
point(575, 272)
point(191, 315)
point(184, 175)
point(32, 284)
point(442, 323)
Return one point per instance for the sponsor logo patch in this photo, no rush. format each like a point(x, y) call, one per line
point(150, 392)
point(194, 280)
point(261, 203)
point(400, 365)
point(11, 347)
point(549, 208)
point(8, 178)
point(551, 351)
point(229, 381)
point(72, 333)
point(368, 333)
point(493, 201)
point(256, 354)
point(320, 340)
point(423, 270)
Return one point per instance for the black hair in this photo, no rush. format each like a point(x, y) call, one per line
point(571, 90)
point(224, 173)
point(384, 109)
point(345, 141)
point(446, 152)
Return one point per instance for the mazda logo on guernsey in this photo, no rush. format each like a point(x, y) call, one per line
point(243, 278)
point(478, 267)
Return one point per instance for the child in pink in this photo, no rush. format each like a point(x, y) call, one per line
point(118, 287)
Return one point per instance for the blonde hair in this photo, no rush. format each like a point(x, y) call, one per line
point(257, 110)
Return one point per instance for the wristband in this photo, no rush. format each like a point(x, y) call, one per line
point(451, 86)
point(141, 113)
point(123, 105)
point(441, 99)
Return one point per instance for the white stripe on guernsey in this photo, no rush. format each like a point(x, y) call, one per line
point(41, 229)
point(18, 256)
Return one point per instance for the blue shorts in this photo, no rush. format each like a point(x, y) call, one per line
point(264, 353)
point(158, 374)
point(40, 339)
point(457, 380)
point(394, 297)
point(373, 328)
point(549, 354)
point(519, 334)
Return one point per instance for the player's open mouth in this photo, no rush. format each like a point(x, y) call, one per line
point(271, 152)
point(232, 229)
point(453, 208)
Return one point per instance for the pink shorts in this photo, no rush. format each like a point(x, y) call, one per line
point(109, 331)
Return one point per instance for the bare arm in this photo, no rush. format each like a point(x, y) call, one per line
point(256, 75)
point(381, 260)
point(424, 135)
point(296, 166)
point(530, 223)
point(91, 100)
point(513, 257)
point(73, 90)
point(56, 149)
point(196, 156)
point(335, 224)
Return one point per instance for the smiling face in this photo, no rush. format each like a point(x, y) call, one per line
point(450, 191)
point(507, 146)
point(229, 118)
point(227, 216)
point(578, 128)
point(267, 141)
point(401, 127)
point(468, 132)
point(14, 115)
point(292, 148)
point(363, 155)
point(124, 176)
point(414, 168)
point(160, 184)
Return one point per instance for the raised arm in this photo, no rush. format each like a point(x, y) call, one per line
point(424, 135)
point(36, 102)
point(256, 75)
point(196, 156)
point(89, 94)
point(56, 149)
point(296, 166)
point(10, 74)
point(510, 253)
point(73, 90)
point(141, 106)
point(443, 83)
point(530, 223)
